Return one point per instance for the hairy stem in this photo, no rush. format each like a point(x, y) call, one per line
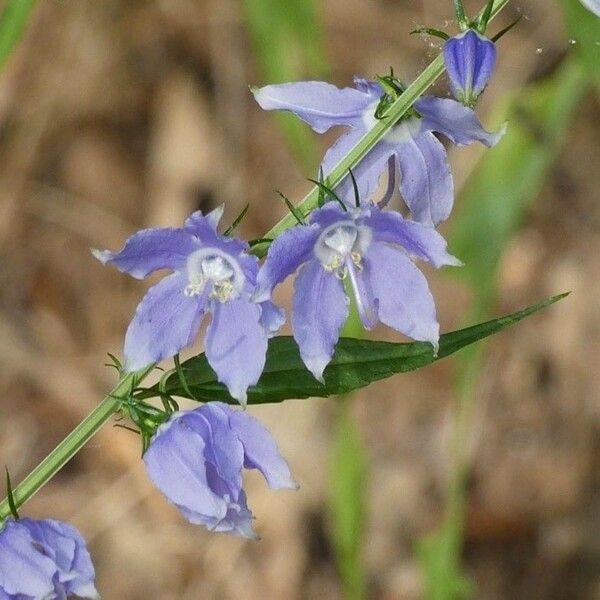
point(73, 442)
point(396, 110)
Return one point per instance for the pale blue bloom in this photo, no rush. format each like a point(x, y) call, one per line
point(196, 460)
point(44, 560)
point(426, 181)
point(370, 248)
point(212, 274)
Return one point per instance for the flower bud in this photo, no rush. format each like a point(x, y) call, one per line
point(470, 59)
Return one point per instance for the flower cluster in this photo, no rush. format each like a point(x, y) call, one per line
point(352, 245)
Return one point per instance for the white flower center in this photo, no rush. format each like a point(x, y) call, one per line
point(211, 266)
point(340, 243)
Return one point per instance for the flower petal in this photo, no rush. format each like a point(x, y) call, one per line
point(320, 311)
point(368, 171)
point(286, 254)
point(373, 88)
point(272, 317)
point(165, 322)
point(417, 239)
point(405, 302)
point(319, 104)
point(236, 345)
point(425, 178)
point(457, 122)
point(24, 571)
point(150, 250)
point(260, 450)
point(204, 228)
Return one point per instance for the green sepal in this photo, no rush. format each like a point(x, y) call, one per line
point(504, 31)
point(461, 17)
point(355, 188)
point(237, 221)
point(10, 497)
point(484, 18)
point(328, 192)
point(355, 364)
point(431, 31)
point(297, 214)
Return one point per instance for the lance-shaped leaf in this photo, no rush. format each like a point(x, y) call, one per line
point(356, 363)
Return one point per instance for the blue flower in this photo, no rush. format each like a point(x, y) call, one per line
point(470, 59)
point(196, 460)
point(592, 5)
point(213, 274)
point(426, 181)
point(368, 247)
point(43, 560)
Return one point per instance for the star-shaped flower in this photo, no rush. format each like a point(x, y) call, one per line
point(370, 248)
point(212, 274)
point(426, 181)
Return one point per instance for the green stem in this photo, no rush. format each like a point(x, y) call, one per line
point(394, 113)
point(73, 442)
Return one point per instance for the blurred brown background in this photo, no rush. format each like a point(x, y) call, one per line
point(121, 114)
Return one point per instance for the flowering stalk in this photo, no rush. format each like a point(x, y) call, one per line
point(74, 441)
point(394, 113)
point(114, 401)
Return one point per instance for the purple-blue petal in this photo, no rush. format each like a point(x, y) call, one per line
point(287, 252)
point(151, 250)
point(405, 302)
point(165, 322)
point(418, 240)
point(260, 449)
point(470, 59)
point(368, 86)
point(319, 104)
point(329, 214)
point(320, 310)
point(236, 345)
point(24, 571)
point(457, 122)
point(204, 228)
point(272, 317)
point(425, 178)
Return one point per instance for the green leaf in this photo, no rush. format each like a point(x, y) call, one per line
point(356, 363)
point(12, 24)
